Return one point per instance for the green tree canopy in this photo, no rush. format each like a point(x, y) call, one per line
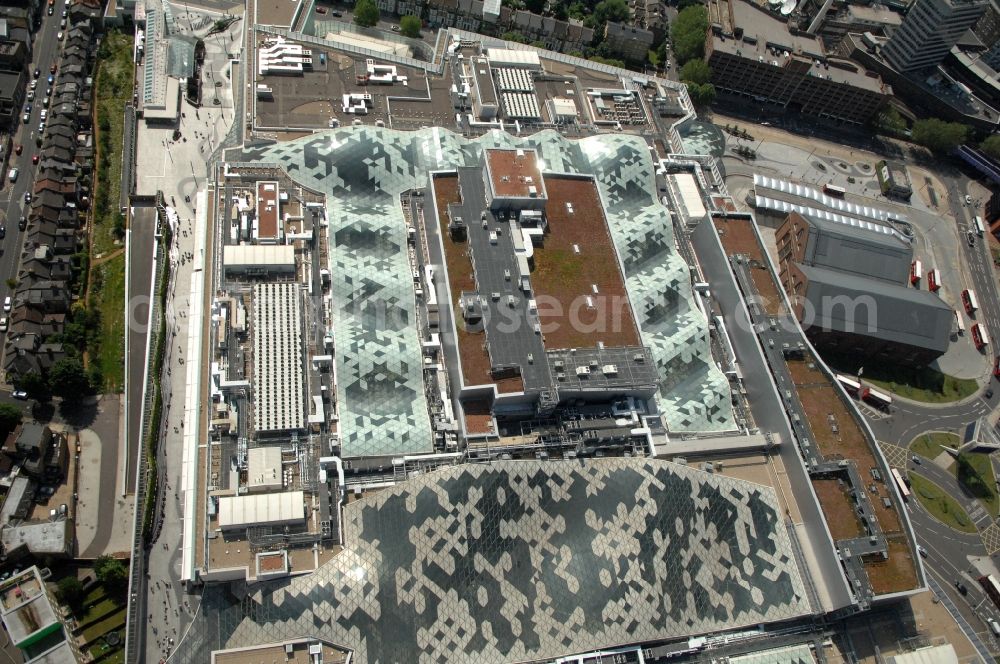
point(702, 94)
point(409, 26)
point(69, 590)
point(890, 120)
point(111, 571)
point(514, 37)
point(35, 385)
point(366, 13)
point(611, 10)
point(68, 378)
point(696, 71)
point(991, 146)
point(10, 417)
point(688, 33)
point(939, 136)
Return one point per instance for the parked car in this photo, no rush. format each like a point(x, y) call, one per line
point(19, 394)
point(968, 199)
point(38, 72)
point(31, 95)
point(18, 149)
point(26, 118)
point(52, 69)
point(337, 14)
point(51, 79)
point(51, 10)
point(34, 84)
point(6, 304)
point(34, 160)
point(59, 36)
point(22, 223)
point(27, 197)
point(12, 175)
point(3, 324)
point(3, 231)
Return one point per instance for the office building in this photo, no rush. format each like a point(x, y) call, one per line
point(754, 56)
point(848, 288)
point(929, 31)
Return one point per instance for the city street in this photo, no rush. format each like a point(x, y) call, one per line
point(46, 50)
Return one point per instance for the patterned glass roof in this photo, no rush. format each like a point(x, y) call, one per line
point(363, 170)
point(525, 560)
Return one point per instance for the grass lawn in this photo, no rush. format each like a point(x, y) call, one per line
point(922, 384)
point(942, 507)
point(97, 611)
point(115, 621)
point(106, 292)
point(109, 298)
point(975, 473)
point(931, 445)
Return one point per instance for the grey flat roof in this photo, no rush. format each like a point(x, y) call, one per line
point(510, 334)
point(857, 251)
point(878, 309)
point(634, 369)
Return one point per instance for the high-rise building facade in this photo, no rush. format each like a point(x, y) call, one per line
point(929, 31)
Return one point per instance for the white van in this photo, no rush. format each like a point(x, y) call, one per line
point(6, 304)
point(12, 175)
point(995, 627)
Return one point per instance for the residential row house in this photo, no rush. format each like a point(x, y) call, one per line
point(491, 18)
point(43, 296)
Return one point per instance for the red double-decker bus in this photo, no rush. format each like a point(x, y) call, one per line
point(916, 271)
point(969, 301)
point(934, 280)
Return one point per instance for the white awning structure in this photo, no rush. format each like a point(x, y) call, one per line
point(762, 182)
point(263, 509)
point(687, 188)
point(765, 203)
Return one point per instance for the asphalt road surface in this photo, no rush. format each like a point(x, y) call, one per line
point(47, 50)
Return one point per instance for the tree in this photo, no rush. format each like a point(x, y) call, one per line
point(409, 26)
point(939, 136)
point(891, 121)
point(35, 385)
point(535, 6)
point(702, 94)
point(611, 10)
point(10, 417)
point(67, 378)
point(366, 13)
point(991, 146)
point(111, 571)
point(696, 71)
point(514, 37)
point(688, 33)
point(607, 61)
point(69, 590)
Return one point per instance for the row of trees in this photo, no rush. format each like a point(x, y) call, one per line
point(687, 35)
point(367, 14)
point(936, 135)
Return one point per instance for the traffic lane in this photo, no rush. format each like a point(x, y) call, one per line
point(947, 553)
point(908, 421)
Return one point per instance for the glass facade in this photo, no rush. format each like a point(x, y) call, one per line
point(363, 170)
point(526, 560)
